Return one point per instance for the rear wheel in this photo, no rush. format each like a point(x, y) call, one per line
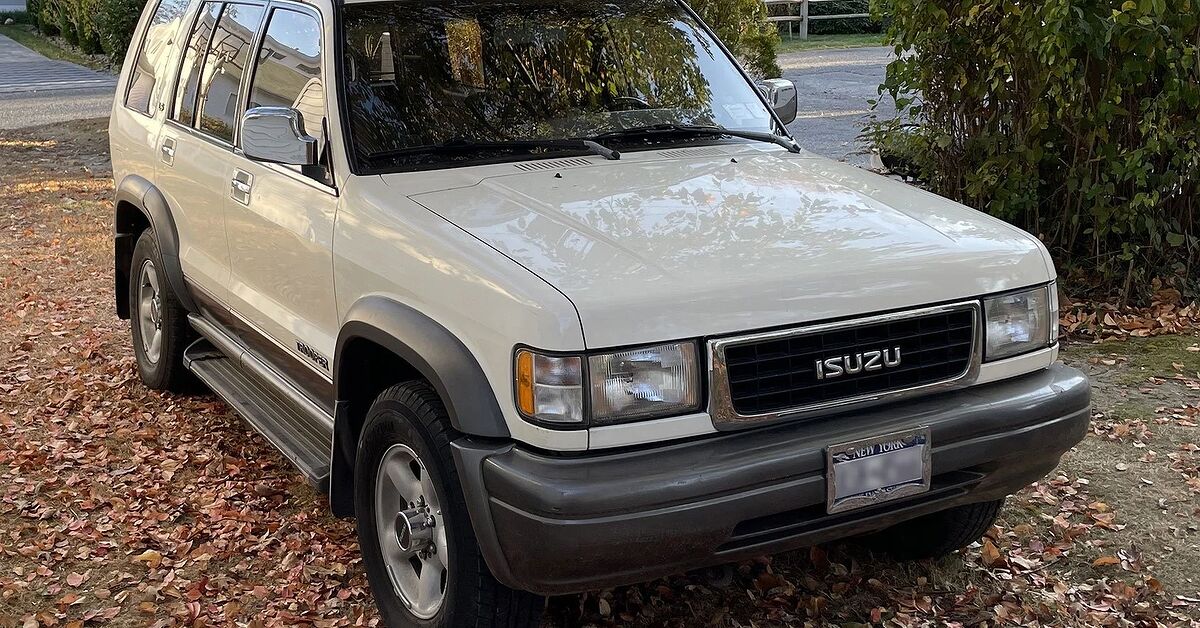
point(419, 550)
point(937, 534)
point(158, 321)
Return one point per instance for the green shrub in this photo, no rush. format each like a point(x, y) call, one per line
point(60, 12)
point(115, 22)
point(1078, 120)
point(83, 16)
point(42, 18)
point(94, 25)
point(743, 26)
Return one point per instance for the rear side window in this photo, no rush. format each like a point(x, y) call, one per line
point(150, 69)
point(193, 57)
point(221, 76)
point(288, 73)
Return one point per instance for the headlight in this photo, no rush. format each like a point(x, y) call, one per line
point(639, 383)
point(646, 382)
point(1019, 322)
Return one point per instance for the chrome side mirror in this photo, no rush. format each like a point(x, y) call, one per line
point(276, 135)
point(781, 95)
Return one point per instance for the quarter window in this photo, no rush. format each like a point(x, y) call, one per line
point(150, 68)
point(224, 65)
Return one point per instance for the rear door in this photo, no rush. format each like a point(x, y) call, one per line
point(280, 218)
point(195, 148)
point(135, 123)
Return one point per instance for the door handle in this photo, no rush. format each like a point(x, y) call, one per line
point(167, 151)
point(240, 186)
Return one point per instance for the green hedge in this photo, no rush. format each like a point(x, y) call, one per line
point(115, 22)
point(94, 25)
point(1078, 120)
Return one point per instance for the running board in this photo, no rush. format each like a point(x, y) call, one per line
point(288, 423)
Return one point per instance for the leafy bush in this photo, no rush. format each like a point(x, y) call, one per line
point(743, 26)
point(83, 14)
point(1078, 120)
point(94, 25)
point(40, 17)
point(115, 22)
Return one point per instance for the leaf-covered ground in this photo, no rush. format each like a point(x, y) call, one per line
point(124, 507)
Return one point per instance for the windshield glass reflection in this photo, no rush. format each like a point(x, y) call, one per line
point(454, 76)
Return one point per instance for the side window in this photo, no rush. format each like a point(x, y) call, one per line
point(150, 68)
point(224, 65)
point(193, 56)
point(288, 72)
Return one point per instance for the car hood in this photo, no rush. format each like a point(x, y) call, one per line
point(657, 247)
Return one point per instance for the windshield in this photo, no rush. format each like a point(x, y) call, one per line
point(423, 78)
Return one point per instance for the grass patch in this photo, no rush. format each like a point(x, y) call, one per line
point(1139, 359)
point(818, 42)
point(27, 35)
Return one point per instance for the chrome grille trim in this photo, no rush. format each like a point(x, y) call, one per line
point(726, 417)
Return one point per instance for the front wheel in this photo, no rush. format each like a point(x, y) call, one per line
point(419, 550)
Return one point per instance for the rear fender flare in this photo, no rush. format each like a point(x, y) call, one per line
point(142, 194)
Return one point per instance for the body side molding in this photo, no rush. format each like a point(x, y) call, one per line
point(141, 194)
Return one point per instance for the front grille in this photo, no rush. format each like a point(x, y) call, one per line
point(780, 373)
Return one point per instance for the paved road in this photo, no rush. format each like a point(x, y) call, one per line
point(35, 90)
point(834, 87)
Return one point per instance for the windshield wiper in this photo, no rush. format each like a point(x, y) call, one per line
point(702, 129)
point(460, 146)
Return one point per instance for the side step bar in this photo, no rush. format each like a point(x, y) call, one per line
point(293, 424)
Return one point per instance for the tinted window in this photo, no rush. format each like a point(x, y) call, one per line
point(289, 68)
point(189, 70)
point(150, 67)
point(224, 66)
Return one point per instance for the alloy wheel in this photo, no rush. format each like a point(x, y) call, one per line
point(150, 312)
point(411, 530)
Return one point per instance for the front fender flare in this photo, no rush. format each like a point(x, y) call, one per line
point(433, 351)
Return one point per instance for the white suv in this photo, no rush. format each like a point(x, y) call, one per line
point(545, 296)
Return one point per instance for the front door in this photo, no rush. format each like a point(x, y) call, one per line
point(280, 218)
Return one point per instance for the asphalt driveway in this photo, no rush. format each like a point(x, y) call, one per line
point(35, 90)
point(834, 87)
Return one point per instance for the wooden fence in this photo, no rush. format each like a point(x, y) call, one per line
point(802, 17)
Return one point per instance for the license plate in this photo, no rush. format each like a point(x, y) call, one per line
point(876, 470)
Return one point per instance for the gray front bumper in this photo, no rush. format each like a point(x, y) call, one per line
point(565, 523)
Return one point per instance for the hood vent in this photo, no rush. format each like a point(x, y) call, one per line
point(702, 151)
point(553, 164)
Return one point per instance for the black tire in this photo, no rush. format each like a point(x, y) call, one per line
point(166, 370)
point(412, 414)
point(937, 534)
